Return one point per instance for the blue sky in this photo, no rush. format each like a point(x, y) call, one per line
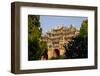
point(48, 22)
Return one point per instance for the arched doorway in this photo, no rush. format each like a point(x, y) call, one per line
point(56, 53)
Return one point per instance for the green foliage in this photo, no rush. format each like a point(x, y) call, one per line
point(84, 28)
point(34, 34)
point(44, 48)
point(43, 45)
point(34, 30)
point(78, 47)
point(36, 48)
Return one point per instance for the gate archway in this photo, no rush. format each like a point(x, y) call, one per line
point(56, 52)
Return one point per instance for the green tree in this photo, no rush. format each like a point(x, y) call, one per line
point(84, 28)
point(44, 49)
point(34, 34)
point(43, 45)
point(78, 47)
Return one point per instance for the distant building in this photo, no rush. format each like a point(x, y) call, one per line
point(57, 37)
